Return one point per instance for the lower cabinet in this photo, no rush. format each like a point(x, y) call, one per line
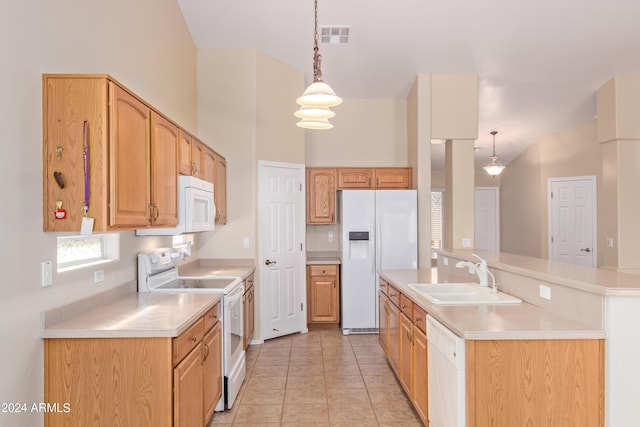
point(323, 295)
point(159, 381)
point(249, 307)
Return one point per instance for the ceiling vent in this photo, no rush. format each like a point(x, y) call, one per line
point(332, 34)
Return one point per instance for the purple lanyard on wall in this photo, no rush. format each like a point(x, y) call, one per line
point(85, 154)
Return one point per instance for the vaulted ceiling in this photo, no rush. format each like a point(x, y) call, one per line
point(539, 63)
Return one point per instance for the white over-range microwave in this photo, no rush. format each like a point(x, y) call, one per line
point(196, 209)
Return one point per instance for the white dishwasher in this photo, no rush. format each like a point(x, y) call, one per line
point(446, 376)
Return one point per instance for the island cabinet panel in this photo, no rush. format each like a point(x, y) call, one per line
point(535, 382)
point(115, 381)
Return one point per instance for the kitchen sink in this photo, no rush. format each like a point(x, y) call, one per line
point(461, 294)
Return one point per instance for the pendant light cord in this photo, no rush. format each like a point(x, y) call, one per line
point(317, 58)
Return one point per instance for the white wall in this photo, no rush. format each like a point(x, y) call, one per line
point(145, 45)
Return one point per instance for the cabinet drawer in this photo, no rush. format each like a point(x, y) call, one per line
point(211, 317)
point(406, 305)
point(187, 340)
point(394, 296)
point(324, 270)
point(384, 287)
point(420, 318)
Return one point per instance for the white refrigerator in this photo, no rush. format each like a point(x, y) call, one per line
point(378, 230)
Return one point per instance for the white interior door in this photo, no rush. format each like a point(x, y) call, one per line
point(487, 219)
point(282, 291)
point(572, 223)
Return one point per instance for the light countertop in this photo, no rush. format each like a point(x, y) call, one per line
point(322, 257)
point(489, 322)
point(134, 315)
point(594, 280)
point(242, 268)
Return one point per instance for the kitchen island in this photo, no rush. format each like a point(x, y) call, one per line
point(592, 312)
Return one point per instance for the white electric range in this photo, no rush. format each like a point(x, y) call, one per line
point(158, 272)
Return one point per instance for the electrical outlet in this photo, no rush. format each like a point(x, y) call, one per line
point(545, 292)
point(98, 276)
point(466, 243)
point(445, 261)
point(245, 242)
point(46, 273)
point(609, 242)
point(330, 236)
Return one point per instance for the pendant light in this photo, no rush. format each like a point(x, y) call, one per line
point(494, 167)
point(316, 100)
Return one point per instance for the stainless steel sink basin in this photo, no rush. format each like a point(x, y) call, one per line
point(461, 294)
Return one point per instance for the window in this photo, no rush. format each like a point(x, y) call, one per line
point(81, 251)
point(437, 221)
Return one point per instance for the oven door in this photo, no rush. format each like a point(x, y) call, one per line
point(234, 356)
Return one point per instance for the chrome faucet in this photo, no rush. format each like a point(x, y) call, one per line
point(481, 270)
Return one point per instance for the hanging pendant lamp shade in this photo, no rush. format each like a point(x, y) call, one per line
point(494, 167)
point(318, 97)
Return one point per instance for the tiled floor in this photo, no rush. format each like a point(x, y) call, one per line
point(319, 379)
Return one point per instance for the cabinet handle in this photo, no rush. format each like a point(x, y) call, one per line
point(404, 306)
point(334, 283)
point(157, 213)
point(409, 334)
point(193, 339)
point(194, 168)
point(369, 182)
point(419, 319)
point(378, 182)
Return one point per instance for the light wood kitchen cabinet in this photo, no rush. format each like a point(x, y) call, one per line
point(383, 321)
point(321, 196)
point(198, 159)
point(355, 178)
point(156, 381)
point(420, 395)
point(392, 178)
point(406, 353)
point(394, 330)
point(534, 382)
point(209, 166)
point(185, 148)
point(323, 294)
point(131, 157)
point(212, 370)
point(248, 302)
point(374, 178)
point(220, 189)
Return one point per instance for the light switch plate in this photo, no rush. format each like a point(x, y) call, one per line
point(545, 292)
point(466, 243)
point(445, 261)
point(609, 242)
point(98, 276)
point(330, 236)
point(245, 242)
point(47, 273)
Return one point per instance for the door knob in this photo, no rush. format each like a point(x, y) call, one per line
point(269, 262)
point(585, 250)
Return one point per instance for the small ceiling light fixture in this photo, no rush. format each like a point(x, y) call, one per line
point(316, 100)
point(494, 167)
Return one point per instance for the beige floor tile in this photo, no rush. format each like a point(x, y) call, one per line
point(305, 424)
point(364, 339)
point(371, 359)
point(335, 396)
point(386, 394)
point(308, 395)
point(303, 381)
point(342, 369)
point(376, 369)
point(272, 383)
point(350, 411)
point(225, 417)
point(359, 423)
point(256, 395)
point(305, 413)
point(344, 381)
point(257, 424)
point(379, 380)
point(305, 369)
point(252, 414)
point(270, 370)
point(368, 350)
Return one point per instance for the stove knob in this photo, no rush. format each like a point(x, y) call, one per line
point(154, 260)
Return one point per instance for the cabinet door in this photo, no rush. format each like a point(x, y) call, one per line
point(251, 325)
point(212, 370)
point(185, 163)
point(197, 159)
point(419, 381)
point(406, 352)
point(220, 190)
point(394, 338)
point(165, 137)
point(187, 394)
point(209, 166)
point(355, 178)
point(323, 302)
point(383, 315)
point(393, 178)
point(321, 196)
point(130, 161)
point(245, 319)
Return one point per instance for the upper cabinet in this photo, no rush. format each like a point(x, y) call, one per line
point(355, 178)
point(106, 148)
point(321, 196)
point(220, 189)
point(374, 178)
